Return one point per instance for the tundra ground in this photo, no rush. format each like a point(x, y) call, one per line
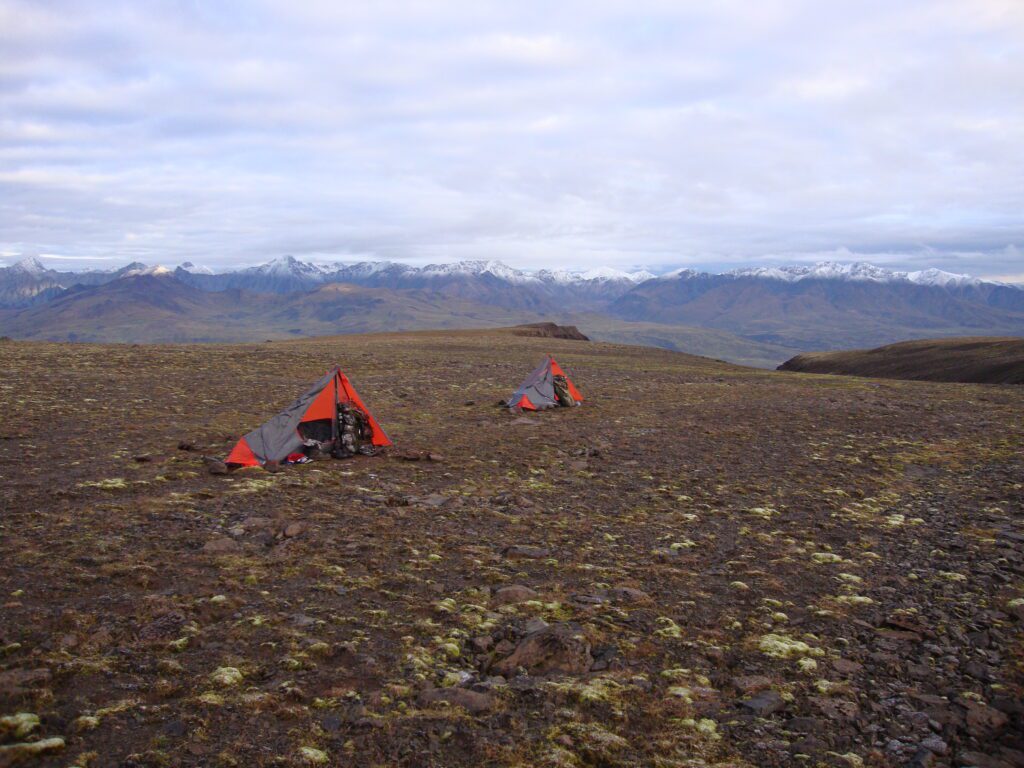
point(703, 565)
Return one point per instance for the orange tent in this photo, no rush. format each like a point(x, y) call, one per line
point(313, 415)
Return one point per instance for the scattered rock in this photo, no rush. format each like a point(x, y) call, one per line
point(525, 551)
point(142, 458)
point(166, 627)
point(628, 595)
point(923, 758)
point(434, 500)
point(983, 720)
point(557, 648)
point(221, 546)
point(535, 625)
point(846, 667)
point(294, 529)
point(972, 759)
point(764, 703)
point(935, 744)
point(513, 593)
point(215, 466)
point(748, 684)
point(804, 725)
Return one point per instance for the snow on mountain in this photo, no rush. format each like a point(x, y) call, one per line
point(476, 268)
point(556, 276)
point(364, 269)
point(157, 270)
point(824, 270)
point(604, 274)
point(286, 266)
point(195, 269)
point(941, 278)
point(30, 266)
point(683, 273)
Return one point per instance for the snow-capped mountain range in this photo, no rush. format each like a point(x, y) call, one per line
point(827, 305)
point(288, 270)
point(290, 267)
point(831, 270)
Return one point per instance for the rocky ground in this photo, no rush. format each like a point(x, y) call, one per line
point(704, 565)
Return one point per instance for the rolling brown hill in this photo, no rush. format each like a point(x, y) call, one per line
point(148, 308)
point(824, 314)
point(161, 309)
point(982, 360)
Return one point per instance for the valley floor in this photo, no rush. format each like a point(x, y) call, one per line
point(737, 567)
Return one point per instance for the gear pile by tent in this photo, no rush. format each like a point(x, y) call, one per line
point(329, 419)
point(546, 387)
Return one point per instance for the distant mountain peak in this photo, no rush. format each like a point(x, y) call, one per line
point(138, 268)
point(476, 267)
point(30, 265)
point(288, 265)
point(195, 269)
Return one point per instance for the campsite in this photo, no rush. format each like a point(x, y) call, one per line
point(702, 565)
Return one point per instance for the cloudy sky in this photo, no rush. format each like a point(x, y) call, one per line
point(645, 133)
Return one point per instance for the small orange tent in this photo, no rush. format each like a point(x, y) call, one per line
point(537, 391)
point(312, 415)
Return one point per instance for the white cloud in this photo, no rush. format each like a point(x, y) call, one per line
point(661, 132)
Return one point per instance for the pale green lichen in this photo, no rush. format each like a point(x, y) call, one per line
point(807, 665)
point(109, 484)
point(668, 628)
point(704, 726)
point(826, 686)
point(854, 600)
point(684, 544)
point(826, 557)
point(226, 676)
point(86, 723)
point(11, 754)
point(781, 646)
point(313, 756)
point(19, 725)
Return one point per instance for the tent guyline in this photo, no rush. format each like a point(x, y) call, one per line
point(328, 419)
point(546, 387)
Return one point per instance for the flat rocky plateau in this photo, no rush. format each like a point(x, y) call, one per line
point(704, 565)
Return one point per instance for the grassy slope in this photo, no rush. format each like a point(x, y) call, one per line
point(976, 359)
point(707, 342)
point(879, 524)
